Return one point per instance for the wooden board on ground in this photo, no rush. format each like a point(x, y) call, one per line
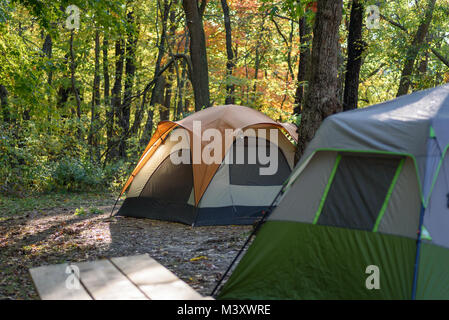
point(135, 277)
point(156, 281)
point(57, 282)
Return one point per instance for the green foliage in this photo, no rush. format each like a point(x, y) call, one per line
point(44, 142)
point(71, 174)
point(80, 212)
point(93, 210)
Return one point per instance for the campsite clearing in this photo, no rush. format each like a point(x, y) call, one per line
point(30, 239)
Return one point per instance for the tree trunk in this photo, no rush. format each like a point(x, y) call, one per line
point(95, 104)
point(230, 54)
point(74, 88)
point(161, 50)
point(198, 55)
point(47, 49)
point(304, 57)
point(258, 59)
point(4, 104)
point(116, 93)
point(414, 48)
point(356, 47)
point(181, 86)
point(130, 70)
point(159, 85)
point(107, 101)
point(321, 97)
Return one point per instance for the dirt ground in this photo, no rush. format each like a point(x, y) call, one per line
point(197, 255)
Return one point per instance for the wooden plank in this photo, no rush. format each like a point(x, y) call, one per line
point(51, 283)
point(104, 282)
point(155, 280)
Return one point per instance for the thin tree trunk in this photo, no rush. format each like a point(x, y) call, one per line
point(107, 101)
point(161, 51)
point(356, 46)
point(181, 86)
point(414, 48)
point(165, 112)
point(4, 104)
point(73, 81)
point(95, 104)
point(258, 58)
point(198, 55)
point(304, 57)
point(321, 98)
point(130, 70)
point(116, 93)
point(47, 49)
point(229, 53)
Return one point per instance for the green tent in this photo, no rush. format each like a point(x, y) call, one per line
point(346, 225)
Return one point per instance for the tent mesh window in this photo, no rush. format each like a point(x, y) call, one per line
point(245, 167)
point(171, 182)
point(358, 191)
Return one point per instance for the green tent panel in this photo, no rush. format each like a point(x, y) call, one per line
point(321, 262)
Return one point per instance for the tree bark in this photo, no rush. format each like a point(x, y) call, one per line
point(4, 104)
point(229, 53)
point(130, 70)
point(95, 104)
point(321, 97)
point(73, 81)
point(414, 48)
point(106, 95)
point(47, 49)
point(356, 47)
point(161, 51)
point(159, 83)
point(198, 55)
point(304, 57)
point(116, 93)
point(181, 86)
point(258, 58)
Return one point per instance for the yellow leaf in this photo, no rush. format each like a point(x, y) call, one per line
point(198, 258)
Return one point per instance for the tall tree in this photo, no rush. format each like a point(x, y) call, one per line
point(106, 96)
point(181, 86)
point(4, 104)
point(200, 74)
point(304, 61)
point(73, 82)
point(321, 97)
point(165, 110)
point(47, 49)
point(130, 70)
point(229, 53)
point(414, 48)
point(158, 79)
point(355, 51)
point(116, 92)
point(95, 104)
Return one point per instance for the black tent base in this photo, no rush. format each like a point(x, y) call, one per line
point(144, 207)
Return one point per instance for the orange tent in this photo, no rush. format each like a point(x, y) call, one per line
point(226, 120)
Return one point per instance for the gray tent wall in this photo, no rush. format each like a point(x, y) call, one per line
point(410, 235)
point(399, 217)
point(415, 126)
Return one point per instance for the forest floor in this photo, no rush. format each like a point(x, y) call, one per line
point(55, 232)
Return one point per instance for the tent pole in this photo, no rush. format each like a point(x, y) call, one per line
point(256, 228)
point(112, 211)
point(418, 251)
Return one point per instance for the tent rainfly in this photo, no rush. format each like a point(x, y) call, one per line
point(223, 192)
point(364, 214)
